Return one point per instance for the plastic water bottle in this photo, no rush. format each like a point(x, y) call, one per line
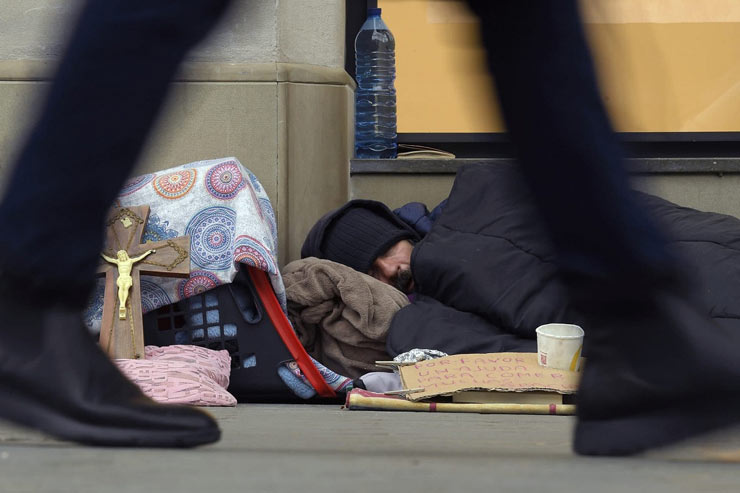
point(375, 97)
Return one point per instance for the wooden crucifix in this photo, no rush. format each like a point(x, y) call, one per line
point(125, 258)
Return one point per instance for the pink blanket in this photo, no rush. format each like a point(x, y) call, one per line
point(182, 375)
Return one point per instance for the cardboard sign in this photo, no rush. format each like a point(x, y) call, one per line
point(505, 372)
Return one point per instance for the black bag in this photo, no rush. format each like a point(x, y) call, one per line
point(245, 319)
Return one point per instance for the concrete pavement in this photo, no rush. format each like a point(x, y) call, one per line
point(321, 448)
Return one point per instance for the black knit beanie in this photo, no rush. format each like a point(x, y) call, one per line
point(356, 234)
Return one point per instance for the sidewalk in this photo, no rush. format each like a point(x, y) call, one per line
point(305, 449)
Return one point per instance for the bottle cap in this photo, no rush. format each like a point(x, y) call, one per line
point(371, 12)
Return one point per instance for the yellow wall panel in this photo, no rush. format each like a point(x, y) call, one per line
point(664, 65)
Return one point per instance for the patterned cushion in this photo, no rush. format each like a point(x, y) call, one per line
point(182, 375)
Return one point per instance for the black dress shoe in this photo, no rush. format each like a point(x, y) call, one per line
point(54, 378)
point(658, 371)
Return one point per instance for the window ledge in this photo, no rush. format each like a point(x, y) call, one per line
point(639, 166)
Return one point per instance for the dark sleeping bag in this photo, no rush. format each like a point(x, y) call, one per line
point(486, 278)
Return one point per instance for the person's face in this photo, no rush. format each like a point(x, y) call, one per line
point(394, 267)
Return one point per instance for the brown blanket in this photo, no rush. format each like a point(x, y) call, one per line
point(341, 315)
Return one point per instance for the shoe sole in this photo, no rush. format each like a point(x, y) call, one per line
point(27, 412)
point(722, 445)
point(665, 427)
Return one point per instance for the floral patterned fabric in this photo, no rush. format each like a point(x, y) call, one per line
point(224, 209)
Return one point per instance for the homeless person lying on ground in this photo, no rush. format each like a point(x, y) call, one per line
point(484, 278)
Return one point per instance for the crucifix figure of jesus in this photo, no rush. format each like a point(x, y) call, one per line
point(124, 281)
point(125, 259)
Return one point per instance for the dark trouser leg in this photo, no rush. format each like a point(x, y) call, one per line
point(108, 90)
point(110, 85)
point(571, 159)
point(658, 370)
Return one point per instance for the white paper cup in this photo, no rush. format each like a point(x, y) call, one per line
point(559, 346)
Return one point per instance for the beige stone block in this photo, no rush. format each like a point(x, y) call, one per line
point(213, 120)
point(302, 40)
point(18, 105)
point(314, 152)
point(199, 121)
point(397, 190)
point(297, 31)
point(35, 28)
point(706, 192)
